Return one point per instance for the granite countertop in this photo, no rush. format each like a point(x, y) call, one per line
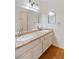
point(35, 35)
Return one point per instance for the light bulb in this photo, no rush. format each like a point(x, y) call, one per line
point(51, 14)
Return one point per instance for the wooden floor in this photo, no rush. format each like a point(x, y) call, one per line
point(53, 53)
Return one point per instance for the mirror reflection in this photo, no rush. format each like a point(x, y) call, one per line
point(52, 17)
point(26, 20)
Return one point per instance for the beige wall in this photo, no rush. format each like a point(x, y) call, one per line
point(58, 6)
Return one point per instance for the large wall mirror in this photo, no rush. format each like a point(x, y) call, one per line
point(26, 20)
point(52, 17)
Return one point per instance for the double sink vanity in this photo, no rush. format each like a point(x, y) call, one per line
point(33, 45)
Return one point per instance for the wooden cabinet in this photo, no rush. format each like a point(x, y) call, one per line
point(36, 48)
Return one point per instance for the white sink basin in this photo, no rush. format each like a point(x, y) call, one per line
point(25, 37)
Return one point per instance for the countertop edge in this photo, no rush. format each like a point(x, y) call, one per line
point(16, 47)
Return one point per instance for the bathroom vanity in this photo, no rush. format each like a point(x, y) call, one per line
point(34, 47)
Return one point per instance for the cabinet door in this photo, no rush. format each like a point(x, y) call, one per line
point(37, 51)
point(50, 38)
point(45, 43)
point(26, 55)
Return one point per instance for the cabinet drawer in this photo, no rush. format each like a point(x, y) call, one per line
point(27, 47)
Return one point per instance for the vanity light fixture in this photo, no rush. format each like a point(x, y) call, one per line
point(33, 5)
